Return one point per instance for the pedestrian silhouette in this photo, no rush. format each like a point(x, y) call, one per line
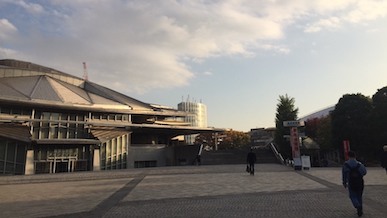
point(352, 175)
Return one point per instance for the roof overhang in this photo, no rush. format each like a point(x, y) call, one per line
point(15, 132)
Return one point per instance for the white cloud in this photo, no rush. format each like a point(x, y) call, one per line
point(334, 14)
point(7, 29)
point(32, 8)
point(330, 23)
point(367, 10)
point(139, 45)
point(208, 73)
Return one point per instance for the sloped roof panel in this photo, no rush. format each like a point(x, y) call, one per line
point(76, 89)
point(96, 99)
point(67, 95)
point(43, 90)
point(24, 85)
point(107, 134)
point(113, 95)
point(15, 132)
point(10, 93)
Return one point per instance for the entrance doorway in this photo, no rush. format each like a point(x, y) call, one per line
point(62, 166)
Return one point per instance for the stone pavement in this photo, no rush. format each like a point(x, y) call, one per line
point(191, 191)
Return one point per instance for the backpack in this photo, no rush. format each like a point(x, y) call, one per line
point(355, 179)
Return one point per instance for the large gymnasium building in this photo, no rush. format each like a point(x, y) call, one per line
point(53, 122)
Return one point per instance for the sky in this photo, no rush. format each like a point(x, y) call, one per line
point(235, 56)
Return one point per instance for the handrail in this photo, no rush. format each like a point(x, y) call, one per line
point(277, 154)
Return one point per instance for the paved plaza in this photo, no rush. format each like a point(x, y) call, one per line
point(191, 191)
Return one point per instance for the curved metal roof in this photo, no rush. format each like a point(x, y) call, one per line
point(30, 83)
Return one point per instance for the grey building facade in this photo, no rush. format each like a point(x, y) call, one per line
point(53, 122)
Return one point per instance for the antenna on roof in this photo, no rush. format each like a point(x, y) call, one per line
point(85, 75)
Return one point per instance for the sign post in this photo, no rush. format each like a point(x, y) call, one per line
point(295, 141)
point(346, 149)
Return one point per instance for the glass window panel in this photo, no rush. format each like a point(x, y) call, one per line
point(103, 151)
point(45, 116)
point(38, 115)
point(3, 144)
point(36, 128)
point(81, 117)
point(26, 112)
point(54, 116)
point(17, 111)
point(10, 167)
point(111, 117)
point(2, 167)
point(21, 153)
point(96, 116)
point(73, 117)
point(19, 170)
point(62, 134)
point(72, 129)
point(5, 110)
point(64, 116)
point(43, 154)
point(11, 151)
point(54, 130)
point(104, 116)
point(44, 129)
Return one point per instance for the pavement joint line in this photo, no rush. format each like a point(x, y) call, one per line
point(209, 197)
point(103, 207)
point(366, 201)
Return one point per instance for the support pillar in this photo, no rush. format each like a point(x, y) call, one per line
point(96, 159)
point(30, 167)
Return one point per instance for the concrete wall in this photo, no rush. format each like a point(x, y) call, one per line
point(158, 153)
point(163, 155)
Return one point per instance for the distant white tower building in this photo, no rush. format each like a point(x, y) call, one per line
point(198, 117)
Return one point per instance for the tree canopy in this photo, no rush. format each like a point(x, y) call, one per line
point(285, 111)
point(379, 117)
point(350, 121)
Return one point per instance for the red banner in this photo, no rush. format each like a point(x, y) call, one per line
point(295, 142)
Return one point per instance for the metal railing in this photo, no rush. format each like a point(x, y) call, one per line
point(277, 154)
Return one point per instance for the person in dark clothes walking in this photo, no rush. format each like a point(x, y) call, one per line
point(251, 159)
point(352, 175)
point(383, 158)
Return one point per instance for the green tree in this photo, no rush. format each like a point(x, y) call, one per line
point(324, 134)
point(234, 139)
point(379, 119)
point(285, 111)
point(319, 129)
point(350, 121)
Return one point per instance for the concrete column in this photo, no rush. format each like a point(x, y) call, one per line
point(129, 153)
point(30, 167)
point(97, 159)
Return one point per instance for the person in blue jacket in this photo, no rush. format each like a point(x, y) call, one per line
point(352, 175)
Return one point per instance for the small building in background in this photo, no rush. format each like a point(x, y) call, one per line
point(197, 117)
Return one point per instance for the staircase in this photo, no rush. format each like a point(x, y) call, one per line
point(237, 156)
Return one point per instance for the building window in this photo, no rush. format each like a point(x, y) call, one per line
point(12, 157)
point(144, 164)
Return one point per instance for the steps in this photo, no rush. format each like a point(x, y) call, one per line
point(237, 156)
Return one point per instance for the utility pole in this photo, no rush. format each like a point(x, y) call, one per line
point(85, 75)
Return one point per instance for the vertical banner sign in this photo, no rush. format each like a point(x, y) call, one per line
point(295, 142)
point(346, 149)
